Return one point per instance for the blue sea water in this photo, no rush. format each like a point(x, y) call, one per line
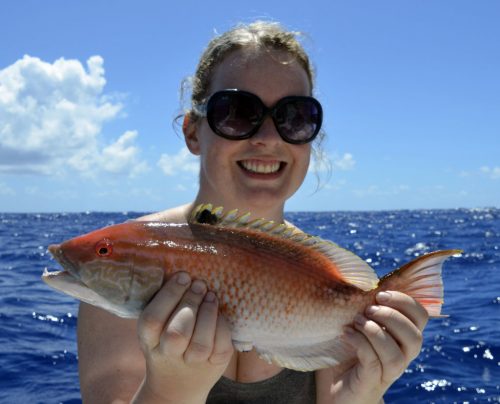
point(459, 362)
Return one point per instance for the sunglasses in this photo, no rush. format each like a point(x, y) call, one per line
point(237, 115)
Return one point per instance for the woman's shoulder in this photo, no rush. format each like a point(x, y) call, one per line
point(179, 214)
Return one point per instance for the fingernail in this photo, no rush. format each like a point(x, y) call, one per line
point(198, 287)
point(183, 278)
point(210, 297)
point(383, 297)
point(371, 309)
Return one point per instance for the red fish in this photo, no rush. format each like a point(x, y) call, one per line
point(285, 293)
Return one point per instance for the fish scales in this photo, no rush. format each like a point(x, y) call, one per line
point(260, 280)
point(285, 293)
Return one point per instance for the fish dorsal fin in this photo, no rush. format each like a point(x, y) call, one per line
point(353, 269)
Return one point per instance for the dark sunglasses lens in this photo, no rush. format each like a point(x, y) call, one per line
point(299, 120)
point(233, 114)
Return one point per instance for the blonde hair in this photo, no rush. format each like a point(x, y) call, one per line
point(258, 36)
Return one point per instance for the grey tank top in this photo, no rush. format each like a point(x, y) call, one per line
point(288, 386)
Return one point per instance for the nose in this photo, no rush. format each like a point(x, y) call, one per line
point(267, 134)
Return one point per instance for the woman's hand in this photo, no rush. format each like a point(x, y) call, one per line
point(186, 344)
point(386, 339)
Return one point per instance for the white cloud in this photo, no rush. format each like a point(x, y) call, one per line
point(6, 190)
point(51, 118)
point(369, 191)
point(375, 190)
point(345, 162)
point(182, 162)
point(492, 172)
point(336, 186)
point(122, 156)
point(325, 162)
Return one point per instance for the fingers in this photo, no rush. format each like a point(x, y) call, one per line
point(178, 331)
point(407, 335)
point(223, 345)
point(369, 362)
point(182, 322)
point(212, 335)
point(388, 336)
point(406, 305)
point(152, 320)
point(378, 350)
point(202, 341)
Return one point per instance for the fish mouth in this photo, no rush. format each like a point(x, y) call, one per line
point(57, 253)
point(65, 279)
point(64, 282)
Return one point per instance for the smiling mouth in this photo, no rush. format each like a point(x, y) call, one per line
point(262, 167)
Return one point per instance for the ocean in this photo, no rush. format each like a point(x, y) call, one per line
point(459, 362)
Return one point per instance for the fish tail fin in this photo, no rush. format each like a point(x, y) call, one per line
point(421, 279)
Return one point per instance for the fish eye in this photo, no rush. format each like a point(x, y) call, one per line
point(104, 248)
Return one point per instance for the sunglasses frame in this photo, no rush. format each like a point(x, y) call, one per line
point(207, 110)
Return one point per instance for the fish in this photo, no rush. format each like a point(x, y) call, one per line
point(285, 293)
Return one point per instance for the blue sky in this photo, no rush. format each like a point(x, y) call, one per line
point(89, 90)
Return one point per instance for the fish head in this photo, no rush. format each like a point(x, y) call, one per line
point(107, 268)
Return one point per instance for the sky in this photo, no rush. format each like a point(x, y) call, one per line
point(89, 91)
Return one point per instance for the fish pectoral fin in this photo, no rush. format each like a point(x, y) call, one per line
point(306, 358)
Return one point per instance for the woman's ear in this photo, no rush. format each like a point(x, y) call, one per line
point(189, 128)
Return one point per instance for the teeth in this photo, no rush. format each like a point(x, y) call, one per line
point(260, 167)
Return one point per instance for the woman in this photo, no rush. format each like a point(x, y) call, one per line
point(180, 350)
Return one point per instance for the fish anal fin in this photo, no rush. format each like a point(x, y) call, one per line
point(301, 357)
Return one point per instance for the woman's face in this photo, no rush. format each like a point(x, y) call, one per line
point(263, 171)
